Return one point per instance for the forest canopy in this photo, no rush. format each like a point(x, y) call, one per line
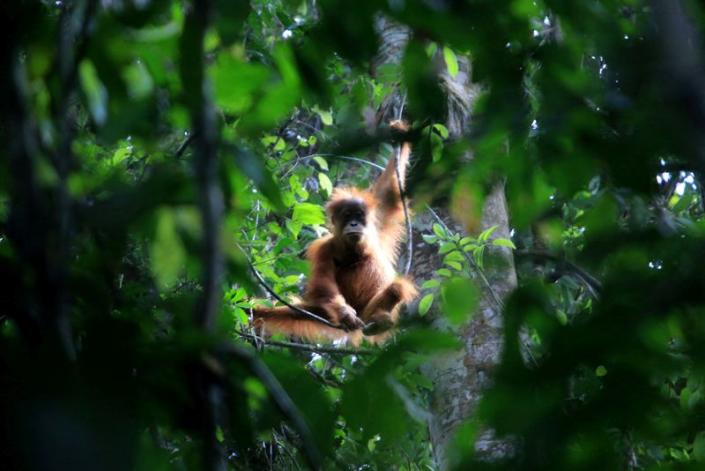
point(166, 164)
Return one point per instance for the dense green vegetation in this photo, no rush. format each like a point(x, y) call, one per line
point(156, 150)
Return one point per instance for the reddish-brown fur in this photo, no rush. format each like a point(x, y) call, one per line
point(353, 284)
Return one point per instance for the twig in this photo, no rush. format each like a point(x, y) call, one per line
point(344, 157)
point(184, 145)
point(495, 297)
point(287, 449)
point(307, 347)
point(593, 285)
point(472, 263)
point(282, 400)
point(298, 310)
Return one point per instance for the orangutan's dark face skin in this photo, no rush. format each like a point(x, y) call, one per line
point(351, 221)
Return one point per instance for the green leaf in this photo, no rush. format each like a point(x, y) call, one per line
point(442, 130)
point(562, 317)
point(235, 82)
point(699, 447)
point(683, 203)
point(467, 240)
point(231, 18)
point(323, 163)
point(451, 61)
point(326, 115)
point(325, 183)
point(432, 283)
point(439, 231)
point(121, 153)
point(485, 235)
point(501, 242)
point(525, 8)
point(470, 248)
point(684, 398)
point(478, 255)
point(459, 298)
point(446, 247)
point(252, 166)
point(425, 304)
point(279, 98)
point(241, 316)
point(95, 92)
point(429, 239)
point(455, 256)
point(308, 214)
point(167, 252)
point(139, 83)
point(454, 265)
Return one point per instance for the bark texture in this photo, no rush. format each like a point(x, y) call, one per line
point(460, 378)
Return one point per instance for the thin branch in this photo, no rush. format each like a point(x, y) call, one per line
point(270, 290)
point(593, 285)
point(471, 262)
point(344, 157)
point(306, 347)
point(185, 144)
point(283, 445)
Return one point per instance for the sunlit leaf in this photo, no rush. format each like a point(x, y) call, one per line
point(139, 82)
point(451, 61)
point(308, 213)
point(485, 235)
point(432, 283)
point(323, 163)
point(502, 242)
point(439, 231)
point(95, 91)
point(425, 304)
point(326, 184)
point(235, 82)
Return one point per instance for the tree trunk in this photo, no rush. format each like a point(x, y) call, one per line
point(460, 378)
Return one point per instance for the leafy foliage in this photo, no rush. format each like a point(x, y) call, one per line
point(153, 147)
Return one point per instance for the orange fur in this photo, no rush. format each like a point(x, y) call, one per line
point(352, 281)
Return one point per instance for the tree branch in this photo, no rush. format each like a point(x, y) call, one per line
point(498, 302)
point(593, 285)
point(303, 312)
point(210, 200)
point(307, 347)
